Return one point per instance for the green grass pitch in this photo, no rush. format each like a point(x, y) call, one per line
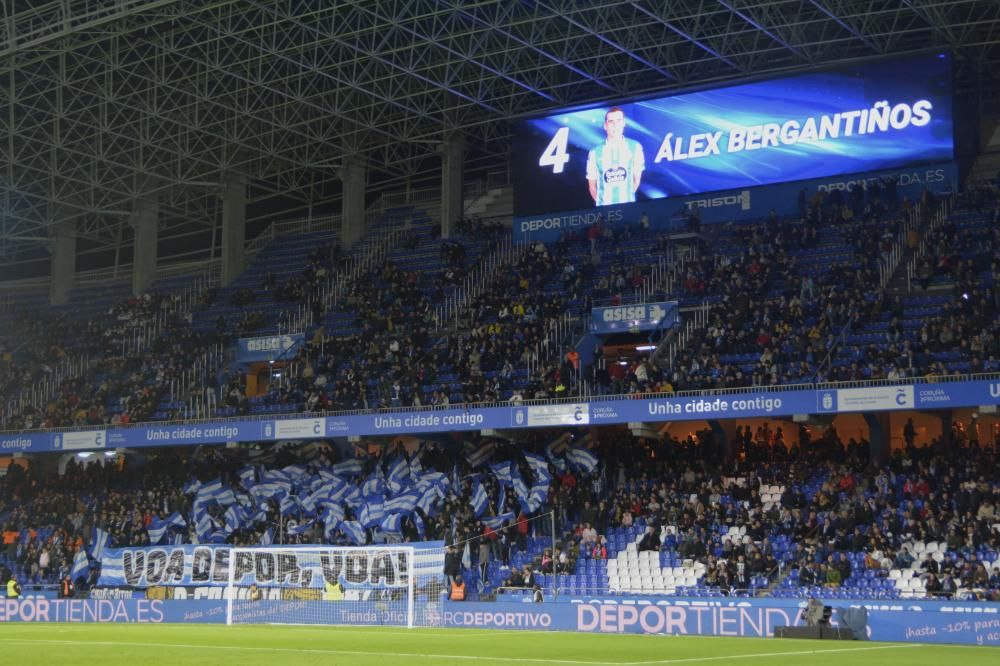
point(188, 645)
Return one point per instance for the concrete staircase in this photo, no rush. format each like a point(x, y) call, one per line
point(493, 203)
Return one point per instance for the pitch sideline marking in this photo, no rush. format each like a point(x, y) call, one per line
point(797, 653)
point(453, 656)
point(246, 648)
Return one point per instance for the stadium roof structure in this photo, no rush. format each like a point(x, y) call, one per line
point(103, 101)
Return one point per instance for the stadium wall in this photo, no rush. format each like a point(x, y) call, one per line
point(723, 405)
point(916, 621)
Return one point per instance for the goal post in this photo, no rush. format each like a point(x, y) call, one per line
point(330, 585)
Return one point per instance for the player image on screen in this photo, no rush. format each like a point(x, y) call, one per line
point(614, 169)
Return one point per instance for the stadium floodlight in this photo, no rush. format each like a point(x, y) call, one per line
point(373, 585)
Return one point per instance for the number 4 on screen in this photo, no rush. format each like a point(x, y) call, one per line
point(555, 154)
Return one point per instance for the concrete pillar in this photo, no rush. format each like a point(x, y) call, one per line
point(880, 435)
point(234, 227)
point(62, 247)
point(946, 417)
point(452, 173)
point(145, 220)
point(352, 213)
point(723, 442)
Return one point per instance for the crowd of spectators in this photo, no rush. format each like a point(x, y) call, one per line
point(838, 511)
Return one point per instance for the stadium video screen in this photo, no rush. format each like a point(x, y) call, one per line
point(866, 117)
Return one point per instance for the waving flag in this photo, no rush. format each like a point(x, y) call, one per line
point(235, 518)
point(158, 529)
point(502, 472)
point(480, 454)
point(301, 528)
point(267, 538)
point(353, 531)
point(204, 527)
point(404, 504)
point(499, 521)
point(539, 467)
point(248, 476)
point(293, 472)
point(555, 449)
point(371, 514)
point(348, 468)
point(520, 487)
point(581, 459)
point(536, 498)
point(399, 471)
point(192, 487)
point(289, 505)
point(99, 540)
point(81, 566)
point(392, 524)
point(353, 498)
point(480, 501)
point(208, 490)
point(416, 466)
point(275, 475)
point(373, 485)
point(418, 522)
point(225, 497)
point(276, 490)
point(429, 499)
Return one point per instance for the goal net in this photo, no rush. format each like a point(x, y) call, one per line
point(375, 585)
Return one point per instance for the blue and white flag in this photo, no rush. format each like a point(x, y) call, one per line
point(353, 497)
point(520, 487)
point(208, 490)
point(399, 471)
point(275, 475)
point(392, 524)
point(416, 465)
point(225, 497)
point(300, 528)
point(539, 467)
point(554, 452)
point(502, 499)
point(418, 522)
point(480, 500)
point(581, 459)
point(502, 472)
point(348, 468)
point(371, 514)
point(404, 504)
point(248, 476)
point(373, 485)
point(204, 526)
point(81, 566)
point(536, 498)
point(499, 521)
point(99, 540)
point(235, 518)
point(332, 518)
point(429, 500)
point(289, 505)
point(267, 538)
point(176, 520)
point(295, 472)
point(157, 530)
point(353, 531)
point(192, 487)
point(480, 454)
point(270, 490)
